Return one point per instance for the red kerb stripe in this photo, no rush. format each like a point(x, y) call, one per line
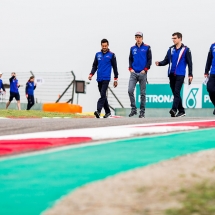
point(17, 146)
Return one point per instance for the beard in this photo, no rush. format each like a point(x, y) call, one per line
point(105, 50)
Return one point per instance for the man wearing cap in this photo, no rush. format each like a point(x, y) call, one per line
point(1, 83)
point(140, 60)
point(178, 57)
point(14, 91)
point(103, 63)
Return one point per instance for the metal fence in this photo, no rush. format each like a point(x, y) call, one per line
point(53, 85)
point(49, 90)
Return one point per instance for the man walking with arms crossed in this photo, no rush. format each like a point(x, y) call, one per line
point(140, 60)
point(178, 57)
point(103, 63)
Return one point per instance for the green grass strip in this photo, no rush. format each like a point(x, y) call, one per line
point(36, 114)
point(198, 200)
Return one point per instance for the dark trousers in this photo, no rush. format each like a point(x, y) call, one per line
point(30, 102)
point(176, 82)
point(212, 97)
point(211, 88)
point(103, 102)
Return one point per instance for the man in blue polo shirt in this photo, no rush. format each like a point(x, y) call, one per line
point(178, 57)
point(210, 67)
point(14, 90)
point(140, 60)
point(103, 63)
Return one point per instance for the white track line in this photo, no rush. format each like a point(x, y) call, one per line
point(111, 132)
point(101, 133)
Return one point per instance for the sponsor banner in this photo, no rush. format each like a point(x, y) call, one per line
point(157, 95)
point(192, 96)
point(160, 96)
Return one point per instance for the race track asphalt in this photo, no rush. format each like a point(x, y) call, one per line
point(20, 126)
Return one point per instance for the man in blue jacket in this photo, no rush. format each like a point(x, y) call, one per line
point(140, 60)
point(178, 57)
point(29, 91)
point(1, 83)
point(103, 63)
point(14, 90)
point(210, 67)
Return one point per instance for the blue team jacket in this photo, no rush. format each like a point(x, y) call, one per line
point(210, 64)
point(13, 85)
point(1, 85)
point(29, 90)
point(178, 60)
point(140, 58)
point(103, 64)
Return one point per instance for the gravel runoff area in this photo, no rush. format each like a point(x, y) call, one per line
point(145, 191)
point(20, 126)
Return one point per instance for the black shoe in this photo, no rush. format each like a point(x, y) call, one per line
point(180, 114)
point(214, 112)
point(107, 115)
point(97, 114)
point(133, 112)
point(172, 112)
point(142, 115)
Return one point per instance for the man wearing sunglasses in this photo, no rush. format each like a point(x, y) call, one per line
point(178, 57)
point(140, 60)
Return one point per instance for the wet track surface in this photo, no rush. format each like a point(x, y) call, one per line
point(20, 126)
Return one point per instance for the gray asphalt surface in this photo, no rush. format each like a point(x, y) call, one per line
point(20, 126)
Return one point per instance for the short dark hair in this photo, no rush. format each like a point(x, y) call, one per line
point(179, 35)
point(31, 77)
point(104, 41)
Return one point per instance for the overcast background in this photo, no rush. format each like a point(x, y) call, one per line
point(64, 35)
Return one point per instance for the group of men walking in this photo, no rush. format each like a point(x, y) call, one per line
point(178, 57)
point(14, 90)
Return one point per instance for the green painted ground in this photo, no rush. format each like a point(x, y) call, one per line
point(38, 114)
point(29, 185)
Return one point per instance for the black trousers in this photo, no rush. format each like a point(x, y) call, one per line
point(212, 97)
point(211, 88)
point(176, 82)
point(30, 102)
point(103, 102)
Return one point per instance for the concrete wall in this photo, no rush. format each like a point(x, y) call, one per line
point(37, 106)
point(164, 112)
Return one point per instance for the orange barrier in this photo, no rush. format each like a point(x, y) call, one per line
point(62, 107)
